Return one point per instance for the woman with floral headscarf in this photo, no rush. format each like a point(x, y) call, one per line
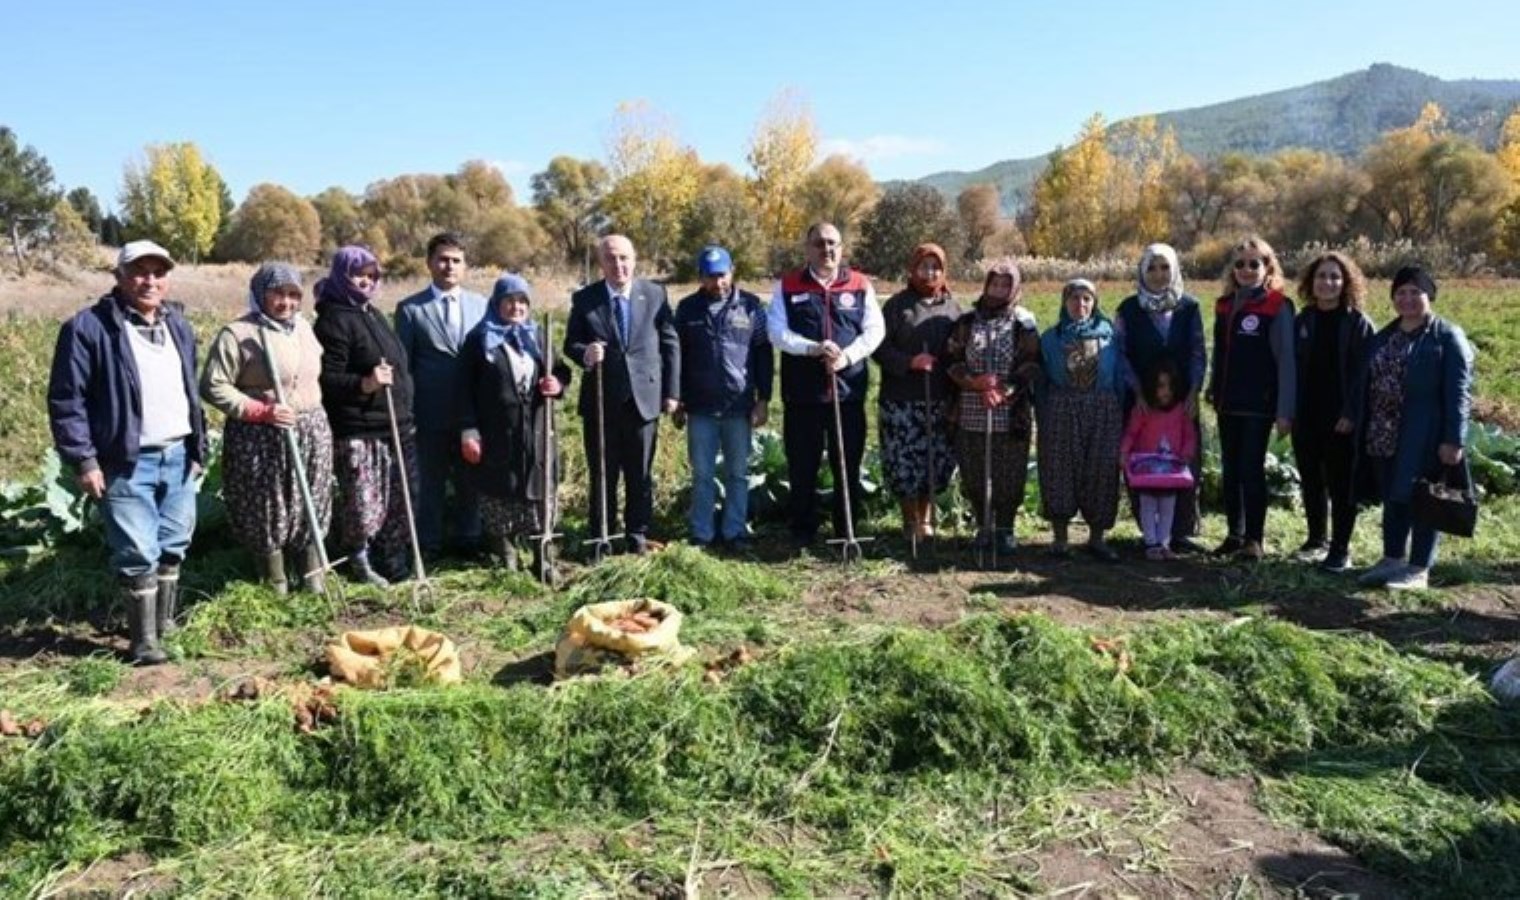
point(362, 360)
point(1161, 321)
point(506, 389)
point(1080, 420)
point(918, 321)
point(994, 357)
point(259, 483)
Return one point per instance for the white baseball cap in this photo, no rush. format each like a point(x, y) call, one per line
point(135, 250)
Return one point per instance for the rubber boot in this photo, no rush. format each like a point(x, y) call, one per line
point(272, 572)
point(359, 567)
point(508, 550)
point(140, 594)
point(313, 578)
point(543, 565)
point(167, 610)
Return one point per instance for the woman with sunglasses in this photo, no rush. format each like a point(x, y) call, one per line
point(1160, 323)
point(1252, 386)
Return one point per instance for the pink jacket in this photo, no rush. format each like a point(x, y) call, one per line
point(1147, 430)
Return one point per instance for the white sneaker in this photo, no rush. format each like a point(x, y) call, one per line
point(1412, 578)
point(1381, 571)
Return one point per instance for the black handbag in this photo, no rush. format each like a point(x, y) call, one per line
point(1447, 503)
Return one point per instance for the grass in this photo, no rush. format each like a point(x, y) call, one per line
point(862, 752)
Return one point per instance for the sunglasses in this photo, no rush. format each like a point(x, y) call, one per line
point(1252, 264)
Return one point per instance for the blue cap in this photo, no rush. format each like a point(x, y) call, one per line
point(714, 260)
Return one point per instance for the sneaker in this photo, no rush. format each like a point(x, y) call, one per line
point(1411, 578)
point(1168, 554)
point(1006, 542)
point(1336, 561)
point(1229, 546)
point(1154, 554)
point(1381, 571)
point(1311, 551)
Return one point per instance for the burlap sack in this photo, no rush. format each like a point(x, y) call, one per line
point(359, 657)
point(590, 640)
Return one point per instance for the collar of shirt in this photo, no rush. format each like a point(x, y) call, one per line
point(614, 293)
point(439, 293)
point(821, 282)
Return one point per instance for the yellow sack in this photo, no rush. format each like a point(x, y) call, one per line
point(360, 657)
point(603, 633)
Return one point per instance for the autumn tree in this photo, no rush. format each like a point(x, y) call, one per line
point(27, 193)
point(174, 197)
point(723, 214)
point(980, 210)
point(838, 190)
point(781, 151)
point(567, 197)
point(273, 223)
point(341, 218)
point(1508, 157)
point(907, 215)
point(1136, 198)
point(70, 239)
point(1069, 207)
point(654, 181)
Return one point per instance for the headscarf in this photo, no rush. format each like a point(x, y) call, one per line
point(1004, 266)
point(1094, 327)
point(935, 288)
point(520, 336)
point(339, 285)
point(1167, 299)
point(272, 275)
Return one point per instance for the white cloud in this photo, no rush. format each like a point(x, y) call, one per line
point(509, 168)
point(881, 147)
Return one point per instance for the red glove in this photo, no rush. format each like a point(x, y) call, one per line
point(259, 412)
point(469, 448)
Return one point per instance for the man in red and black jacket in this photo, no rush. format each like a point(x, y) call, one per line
point(825, 321)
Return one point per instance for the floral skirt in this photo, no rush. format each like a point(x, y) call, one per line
point(1079, 437)
point(259, 484)
point(372, 509)
point(906, 443)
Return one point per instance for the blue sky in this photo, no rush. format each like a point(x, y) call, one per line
point(312, 94)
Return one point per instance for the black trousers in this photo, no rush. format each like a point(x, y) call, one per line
point(1324, 466)
point(808, 430)
point(630, 458)
point(1242, 461)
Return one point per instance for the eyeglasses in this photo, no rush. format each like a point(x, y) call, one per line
point(822, 243)
point(1252, 264)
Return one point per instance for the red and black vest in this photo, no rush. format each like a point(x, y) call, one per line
point(1245, 368)
point(833, 313)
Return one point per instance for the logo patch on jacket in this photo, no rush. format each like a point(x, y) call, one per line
point(847, 300)
point(1250, 323)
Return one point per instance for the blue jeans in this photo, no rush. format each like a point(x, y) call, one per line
point(705, 436)
point(150, 514)
point(1400, 531)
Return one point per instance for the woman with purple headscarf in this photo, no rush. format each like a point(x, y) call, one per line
point(361, 360)
point(259, 480)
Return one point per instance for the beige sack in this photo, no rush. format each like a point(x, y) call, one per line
point(592, 640)
point(360, 657)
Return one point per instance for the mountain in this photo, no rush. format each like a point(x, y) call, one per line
point(1342, 116)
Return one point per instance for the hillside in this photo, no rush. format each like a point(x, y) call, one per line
point(1342, 115)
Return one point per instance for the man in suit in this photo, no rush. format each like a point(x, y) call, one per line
point(432, 326)
point(621, 330)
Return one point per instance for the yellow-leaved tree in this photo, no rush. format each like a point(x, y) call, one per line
point(781, 151)
point(1508, 156)
point(173, 196)
point(1070, 197)
point(654, 181)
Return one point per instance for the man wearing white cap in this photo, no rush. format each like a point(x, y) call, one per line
point(125, 414)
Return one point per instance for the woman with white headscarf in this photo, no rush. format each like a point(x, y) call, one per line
point(259, 483)
point(1161, 321)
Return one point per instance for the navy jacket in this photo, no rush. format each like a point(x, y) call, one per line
point(94, 394)
point(726, 361)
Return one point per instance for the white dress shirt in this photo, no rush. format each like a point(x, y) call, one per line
point(873, 328)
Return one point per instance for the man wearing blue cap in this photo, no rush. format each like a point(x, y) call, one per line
point(726, 374)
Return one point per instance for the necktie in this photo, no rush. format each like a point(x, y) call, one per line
point(620, 303)
point(451, 316)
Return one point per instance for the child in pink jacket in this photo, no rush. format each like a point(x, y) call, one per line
point(1157, 443)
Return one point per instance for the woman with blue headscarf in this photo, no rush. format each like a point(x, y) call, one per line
point(259, 482)
point(1080, 420)
point(507, 388)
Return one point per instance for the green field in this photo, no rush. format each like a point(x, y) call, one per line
point(1058, 727)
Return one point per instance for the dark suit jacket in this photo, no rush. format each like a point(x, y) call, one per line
point(434, 354)
point(649, 369)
